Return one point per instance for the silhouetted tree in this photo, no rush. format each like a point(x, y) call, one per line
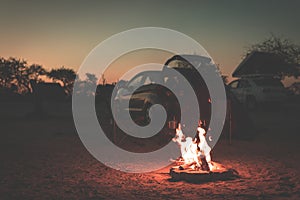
point(282, 47)
point(103, 79)
point(91, 78)
point(87, 86)
point(65, 76)
point(5, 74)
point(224, 77)
point(35, 72)
point(90, 84)
point(15, 74)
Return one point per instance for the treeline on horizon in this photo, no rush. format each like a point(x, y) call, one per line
point(17, 76)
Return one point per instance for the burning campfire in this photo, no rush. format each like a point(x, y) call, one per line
point(195, 158)
point(195, 153)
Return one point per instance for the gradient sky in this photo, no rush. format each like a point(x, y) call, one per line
point(54, 33)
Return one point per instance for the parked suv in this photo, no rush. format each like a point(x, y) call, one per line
point(252, 91)
point(148, 89)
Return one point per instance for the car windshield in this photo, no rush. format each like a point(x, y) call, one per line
point(190, 62)
point(268, 82)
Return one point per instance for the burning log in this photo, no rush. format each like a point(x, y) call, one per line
point(195, 163)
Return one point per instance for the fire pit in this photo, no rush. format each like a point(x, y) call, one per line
point(199, 176)
point(195, 164)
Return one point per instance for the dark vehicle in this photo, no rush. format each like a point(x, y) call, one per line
point(152, 87)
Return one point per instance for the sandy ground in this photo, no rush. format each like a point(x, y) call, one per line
point(45, 159)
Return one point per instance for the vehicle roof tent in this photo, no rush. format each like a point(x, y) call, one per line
point(261, 63)
point(187, 57)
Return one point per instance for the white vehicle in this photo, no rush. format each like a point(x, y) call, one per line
point(252, 91)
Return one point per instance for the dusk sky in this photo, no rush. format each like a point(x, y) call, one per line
point(56, 34)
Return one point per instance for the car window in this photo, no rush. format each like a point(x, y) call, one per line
point(180, 64)
point(234, 84)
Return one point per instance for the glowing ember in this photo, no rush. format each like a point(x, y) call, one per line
point(195, 153)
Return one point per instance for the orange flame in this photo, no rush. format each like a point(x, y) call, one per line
point(194, 153)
